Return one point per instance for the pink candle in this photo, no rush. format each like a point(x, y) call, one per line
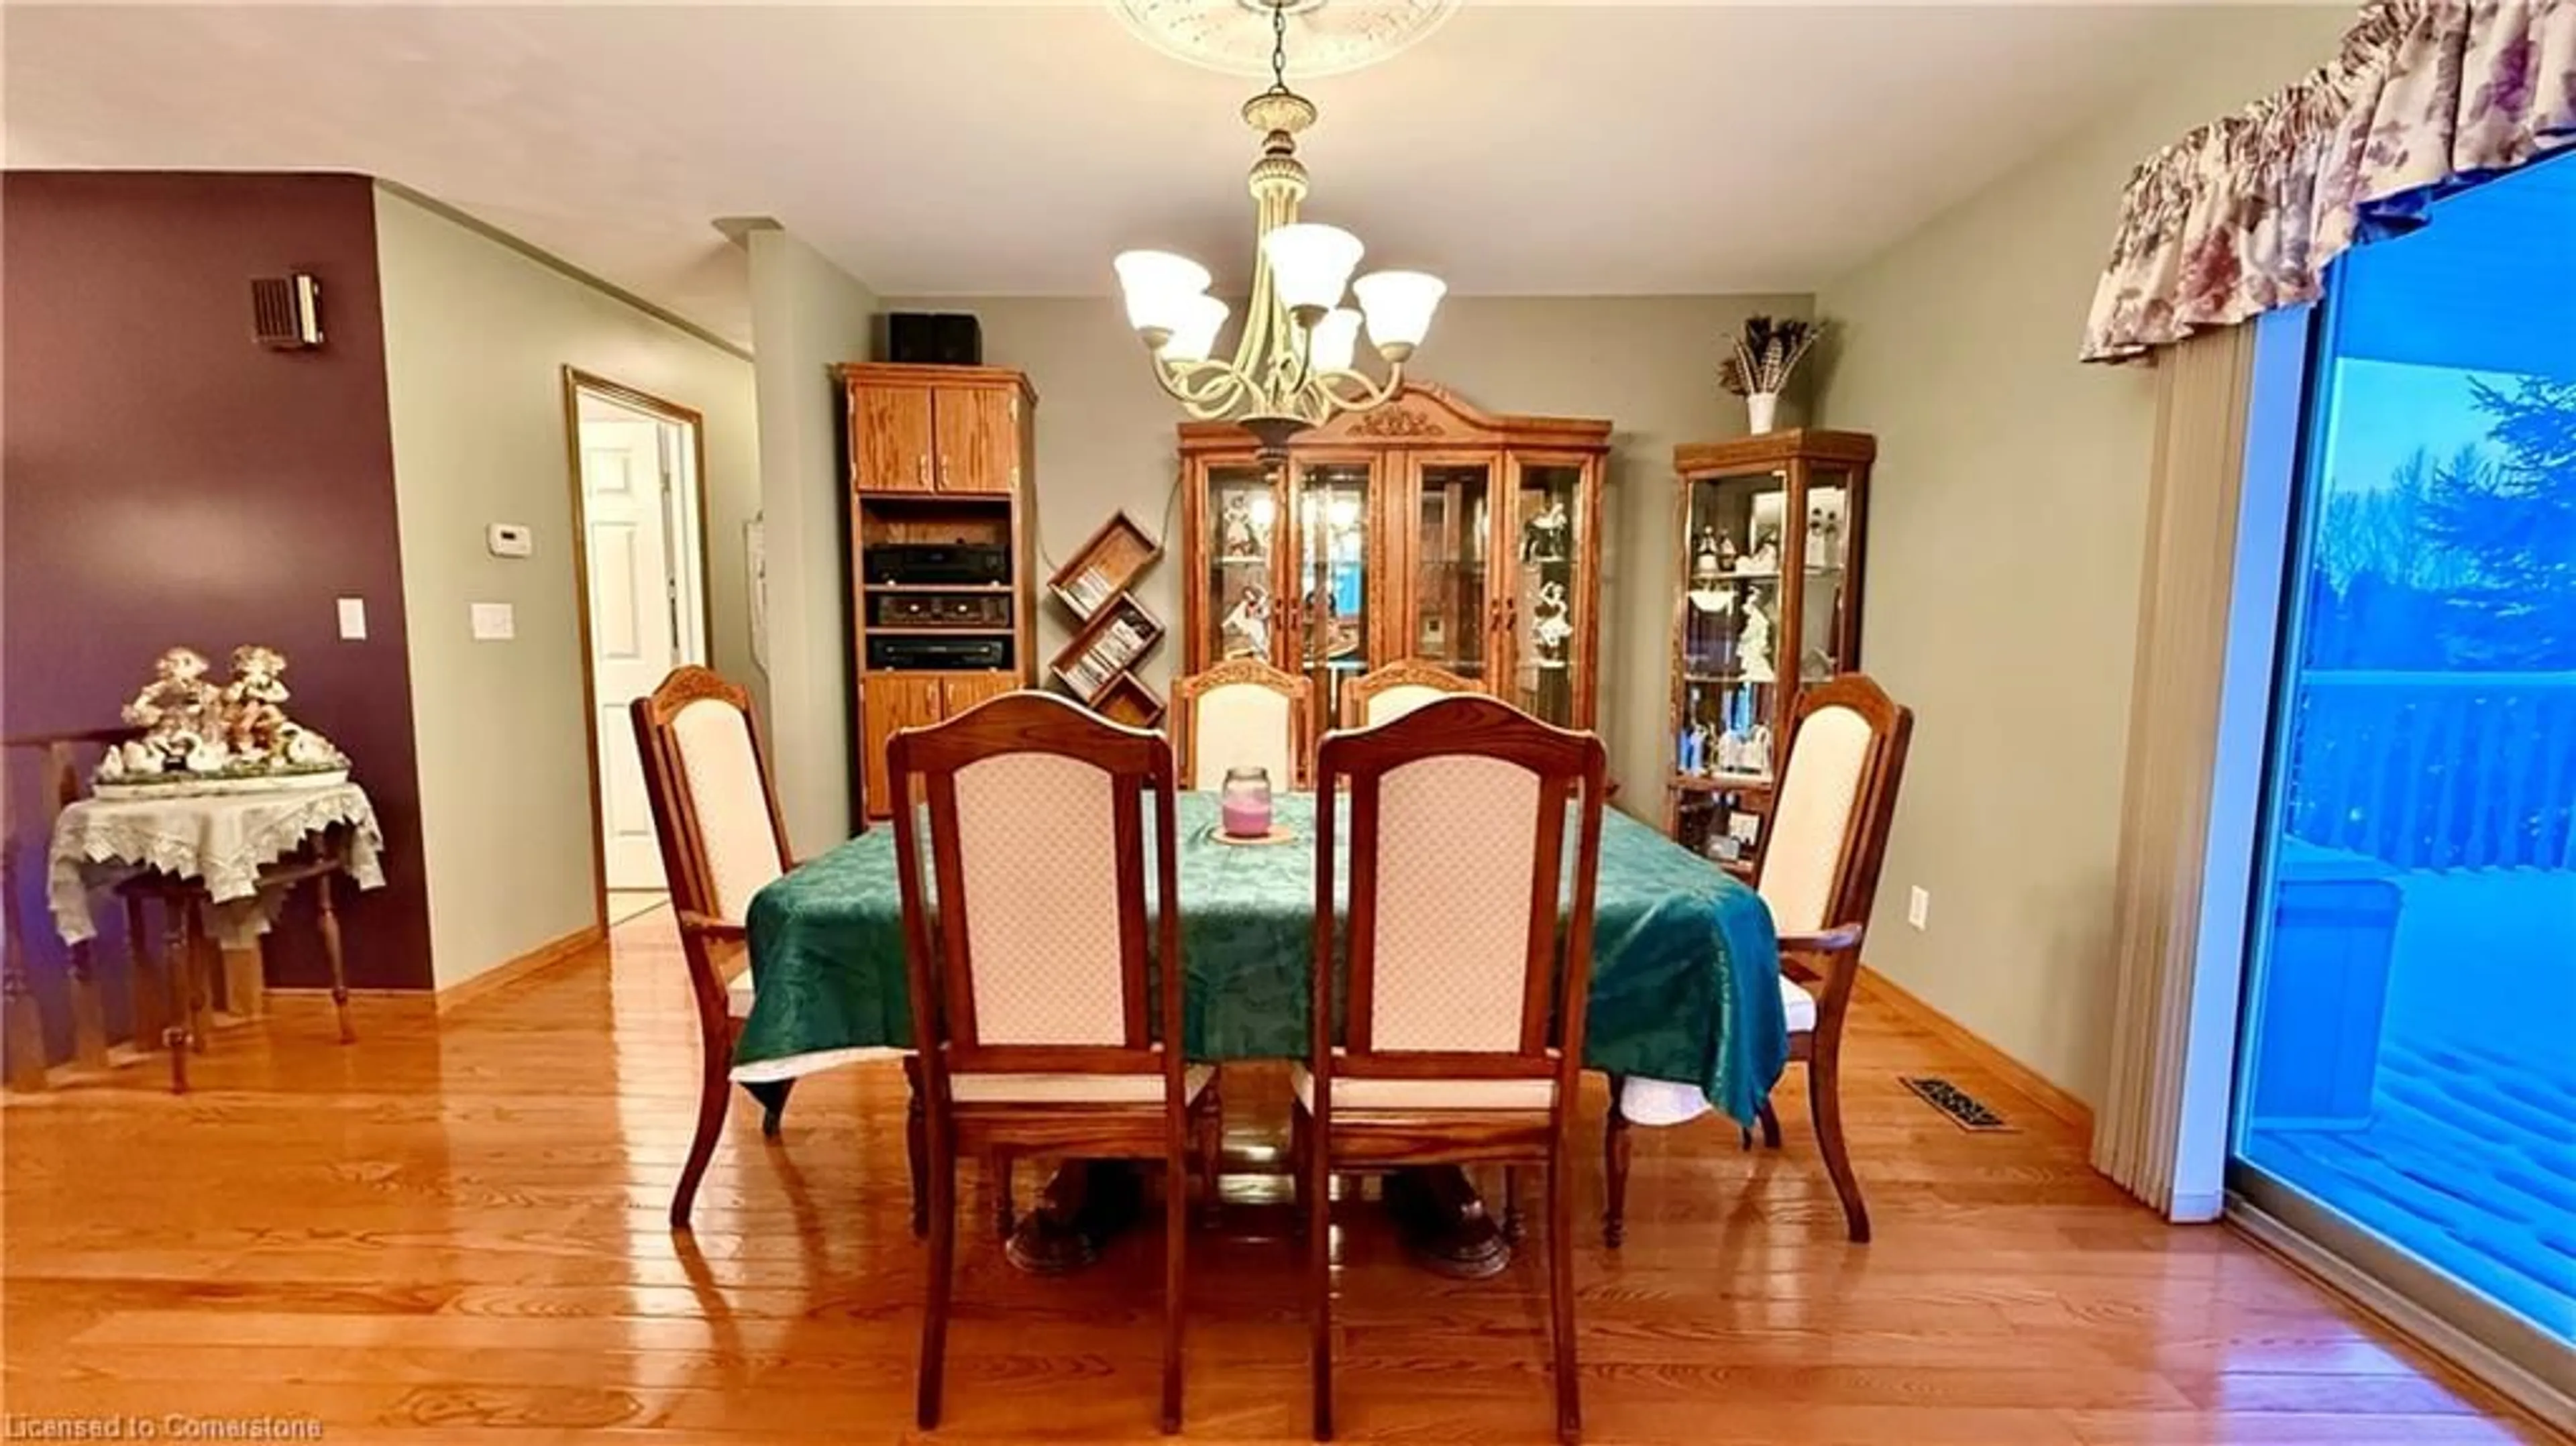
point(1244, 804)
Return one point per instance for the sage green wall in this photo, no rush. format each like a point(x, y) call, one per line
point(2005, 556)
point(477, 334)
point(1649, 364)
point(806, 316)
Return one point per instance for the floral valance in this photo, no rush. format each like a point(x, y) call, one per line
point(2242, 215)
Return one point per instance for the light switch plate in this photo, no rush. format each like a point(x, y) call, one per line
point(353, 619)
point(1918, 907)
point(495, 622)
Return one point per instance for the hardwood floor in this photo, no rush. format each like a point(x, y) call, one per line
point(452, 1231)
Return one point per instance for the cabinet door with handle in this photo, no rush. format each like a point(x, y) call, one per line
point(891, 438)
point(890, 702)
point(978, 440)
point(961, 691)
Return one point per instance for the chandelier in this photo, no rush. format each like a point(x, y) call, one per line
point(1291, 367)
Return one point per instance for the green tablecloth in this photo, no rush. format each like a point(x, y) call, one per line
point(1685, 967)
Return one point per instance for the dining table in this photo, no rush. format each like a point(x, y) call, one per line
point(1684, 986)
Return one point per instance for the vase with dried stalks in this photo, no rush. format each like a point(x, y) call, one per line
point(1767, 350)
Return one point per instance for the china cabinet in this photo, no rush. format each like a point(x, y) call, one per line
point(1426, 529)
point(1771, 546)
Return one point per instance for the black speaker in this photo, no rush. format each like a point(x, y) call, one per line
point(939, 339)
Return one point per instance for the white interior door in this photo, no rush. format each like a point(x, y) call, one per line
point(636, 636)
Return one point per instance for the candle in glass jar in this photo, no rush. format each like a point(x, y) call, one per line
point(1245, 803)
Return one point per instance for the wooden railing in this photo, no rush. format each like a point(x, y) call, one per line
point(2436, 770)
point(60, 759)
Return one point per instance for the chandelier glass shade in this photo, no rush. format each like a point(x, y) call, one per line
point(1293, 362)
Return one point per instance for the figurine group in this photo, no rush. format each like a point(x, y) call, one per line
point(1744, 752)
point(192, 727)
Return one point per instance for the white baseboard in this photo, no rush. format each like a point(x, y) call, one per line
point(2199, 1207)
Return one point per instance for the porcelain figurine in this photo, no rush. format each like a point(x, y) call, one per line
point(1544, 539)
point(1551, 623)
point(1237, 537)
point(255, 722)
point(1245, 631)
point(1708, 558)
point(1824, 531)
point(1753, 646)
point(175, 710)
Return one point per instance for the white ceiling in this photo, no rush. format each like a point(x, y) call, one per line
point(994, 149)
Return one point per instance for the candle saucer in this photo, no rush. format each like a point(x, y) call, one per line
point(1278, 835)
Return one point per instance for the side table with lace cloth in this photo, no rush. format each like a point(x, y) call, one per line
point(221, 865)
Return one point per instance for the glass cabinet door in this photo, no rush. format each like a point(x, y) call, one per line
point(1549, 636)
point(1825, 624)
point(1728, 675)
point(1332, 606)
point(1241, 549)
point(1453, 529)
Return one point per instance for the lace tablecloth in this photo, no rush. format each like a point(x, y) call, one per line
point(222, 840)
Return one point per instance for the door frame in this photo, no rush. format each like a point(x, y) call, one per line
point(576, 383)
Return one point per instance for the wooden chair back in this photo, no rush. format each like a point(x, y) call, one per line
point(1458, 912)
point(722, 835)
point(1242, 713)
point(1397, 689)
point(716, 814)
point(1027, 940)
point(1828, 831)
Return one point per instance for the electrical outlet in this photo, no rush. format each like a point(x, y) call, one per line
point(1918, 906)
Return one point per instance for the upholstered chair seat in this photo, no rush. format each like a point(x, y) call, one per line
point(1073, 1089)
point(1425, 1094)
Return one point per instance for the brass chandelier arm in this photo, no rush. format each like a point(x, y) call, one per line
point(1206, 389)
point(1371, 394)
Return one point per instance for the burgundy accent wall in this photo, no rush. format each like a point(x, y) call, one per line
point(164, 480)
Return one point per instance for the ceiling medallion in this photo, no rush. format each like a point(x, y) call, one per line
point(1328, 36)
point(1292, 364)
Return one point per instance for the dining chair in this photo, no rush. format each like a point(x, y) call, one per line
point(722, 839)
point(1242, 713)
point(1818, 872)
point(1462, 944)
point(1397, 689)
point(1028, 951)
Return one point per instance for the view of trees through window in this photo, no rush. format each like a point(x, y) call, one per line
point(2410, 1060)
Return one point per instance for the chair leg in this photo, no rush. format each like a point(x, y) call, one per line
point(1297, 1169)
point(1511, 1217)
point(1176, 1249)
point(712, 1099)
point(916, 1147)
point(1614, 1150)
point(1825, 1101)
point(1315, 1177)
point(942, 1283)
point(1006, 1210)
point(1560, 1295)
point(1211, 1151)
point(1770, 1126)
point(772, 1094)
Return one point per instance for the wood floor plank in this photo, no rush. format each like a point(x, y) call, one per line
point(453, 1232)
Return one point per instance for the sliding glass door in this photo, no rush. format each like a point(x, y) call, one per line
point(2408, 1082)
